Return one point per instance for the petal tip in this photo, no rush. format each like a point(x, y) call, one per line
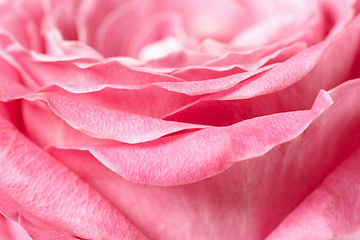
point(322, 102)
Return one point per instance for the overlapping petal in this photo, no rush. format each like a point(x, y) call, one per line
point(33, 185)
point(331, 211)
point(267, 187)
point(208, 152)
point(10, 230)
point(203, 136)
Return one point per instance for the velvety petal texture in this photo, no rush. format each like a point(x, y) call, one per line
point(179, 120)
point(267, 188)
point(40, 198)
point(208, 151)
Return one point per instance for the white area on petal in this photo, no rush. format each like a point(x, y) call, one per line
point(259, 33)
point(159, 49)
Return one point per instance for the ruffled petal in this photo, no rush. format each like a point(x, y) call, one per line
point(164, 161)
point(267, 187)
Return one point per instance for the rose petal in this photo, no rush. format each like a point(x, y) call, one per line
point(335, 194)
point(289, 22)
point(333, 68)
point(332, 210)
point(151, 101)
point(217, 67)
point(216, 148)
point(21, 23)
point(118, 125)
point(267, 187)
point(88, 118)
point(255, 60)
point(90, 78)
point(35, 184)
point(119, 76)
point(116, 31)
point(10, 230)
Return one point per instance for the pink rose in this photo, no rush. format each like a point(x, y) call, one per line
point(176, 120)
point(9, 230)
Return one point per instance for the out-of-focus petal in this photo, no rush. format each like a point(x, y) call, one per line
point(331, 211)
point(9, 230)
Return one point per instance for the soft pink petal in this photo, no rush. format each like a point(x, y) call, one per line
point(228, 112)
point(187, 88)
point(63, 15)
point(337, 14)
point(198, 66)
point(151, 101)
point(281, 76)
point(10, 82)
point(91, 78)
point(89, 117)
point(289, 22)
point(116, 31)
point(255, 60)
point(216, 148)
point(292, 70)
point(117, 125)
point(331, 211)
point(10, 230)
point(56, 47)
point(72, 77)
point(334, 67)
point(271, 81)
point(312, 65)
point(91, 14)
point(178, 60)
point(59, 28)
point(21, 22)
point(267, 187)
point(34, 184)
